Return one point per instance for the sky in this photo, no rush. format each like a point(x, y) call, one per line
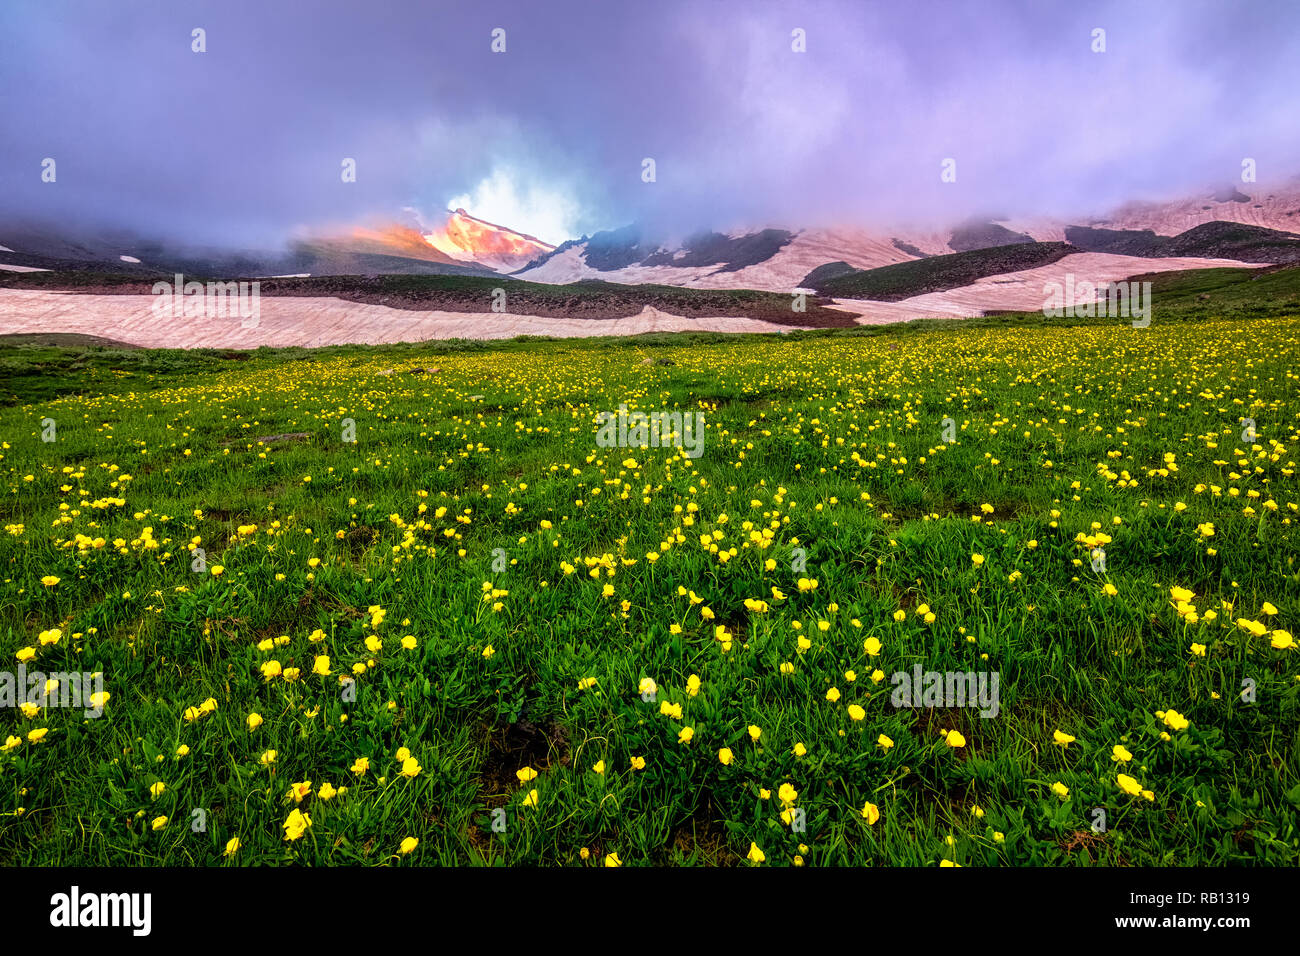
point(244, 143)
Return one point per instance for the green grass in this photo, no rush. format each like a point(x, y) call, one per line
point(831, 442)
point(902, 280)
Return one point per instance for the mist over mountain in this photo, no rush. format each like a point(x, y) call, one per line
point(244, 144)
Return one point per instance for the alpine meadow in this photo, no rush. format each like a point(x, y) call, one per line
point(521, 463)
point(397, 604)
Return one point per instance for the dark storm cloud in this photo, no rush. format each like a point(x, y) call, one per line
point(244, 143)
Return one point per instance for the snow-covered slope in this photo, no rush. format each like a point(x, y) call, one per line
point(740, 260)
point(779, 271)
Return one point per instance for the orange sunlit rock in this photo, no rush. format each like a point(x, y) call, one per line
point(468, 239)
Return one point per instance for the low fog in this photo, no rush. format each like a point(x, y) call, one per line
point(243, 144)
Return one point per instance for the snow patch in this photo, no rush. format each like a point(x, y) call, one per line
point(317, 321)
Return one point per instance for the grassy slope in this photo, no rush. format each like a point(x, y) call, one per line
point(1210, 240)
point(39, 367)
point(937, 273)
point(836, 436)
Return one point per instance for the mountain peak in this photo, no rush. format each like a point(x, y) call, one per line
point(467, 238)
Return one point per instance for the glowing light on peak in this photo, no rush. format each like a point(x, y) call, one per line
point(532, 209)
